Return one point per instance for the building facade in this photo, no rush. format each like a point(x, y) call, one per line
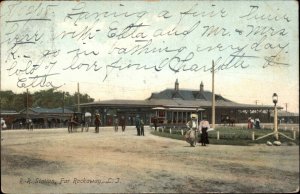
point(177, 104)
point(44, 117)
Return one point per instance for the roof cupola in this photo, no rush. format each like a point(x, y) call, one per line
point(176, 85)
point(201, 87)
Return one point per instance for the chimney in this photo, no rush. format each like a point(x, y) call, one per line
point(201, 87)
point(176, 85)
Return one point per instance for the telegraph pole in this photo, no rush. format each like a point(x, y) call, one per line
point(286, 107)
point(286, 112)
point(63, 110)
point(213, 111)
point(27, 105)
point(78, 98)
point(63, 103)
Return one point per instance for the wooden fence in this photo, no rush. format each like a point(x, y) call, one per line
point(218, 134)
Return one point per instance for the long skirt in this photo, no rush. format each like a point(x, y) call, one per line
point(204, 136)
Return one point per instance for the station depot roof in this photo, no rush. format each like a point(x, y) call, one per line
point(178, 109)
point(285, 114)
point(39, 110)
point(143, 103)
point(174, 103)
point(200, 98)
point(180, 98)
point(8, 112)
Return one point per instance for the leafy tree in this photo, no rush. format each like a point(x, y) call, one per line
point(43, 98)
point(6, 99)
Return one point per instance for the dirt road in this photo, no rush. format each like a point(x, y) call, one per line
point(51, 160)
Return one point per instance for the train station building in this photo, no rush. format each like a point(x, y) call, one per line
point(41, 117)
point(171, 106)
point(174, 106)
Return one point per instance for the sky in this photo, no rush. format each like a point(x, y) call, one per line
point(129, 49)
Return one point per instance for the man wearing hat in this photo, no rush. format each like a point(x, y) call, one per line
point(191, 133)
point(203, 126)
point(138, 124)
point(97, 122)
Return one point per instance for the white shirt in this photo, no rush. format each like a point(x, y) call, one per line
point(204, 124)
point(194, 124)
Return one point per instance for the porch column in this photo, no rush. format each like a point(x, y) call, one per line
point(181, 117)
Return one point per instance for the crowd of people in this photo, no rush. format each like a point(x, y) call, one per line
point(202, 126)
point(139, 124)
point(117, 122)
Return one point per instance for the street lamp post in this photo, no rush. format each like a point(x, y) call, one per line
point(275, 132)
point(275, 100)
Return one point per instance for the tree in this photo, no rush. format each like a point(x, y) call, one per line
point(6, 99)
point(43, 98)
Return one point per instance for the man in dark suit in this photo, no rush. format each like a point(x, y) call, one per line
point(155, 122)
point(138, 125)
point(142, 127)
point(123, 123)
point(97, 123)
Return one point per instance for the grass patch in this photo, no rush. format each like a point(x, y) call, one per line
point(235, 136)
point(168, 135)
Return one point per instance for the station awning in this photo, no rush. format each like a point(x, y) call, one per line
point(178, 109)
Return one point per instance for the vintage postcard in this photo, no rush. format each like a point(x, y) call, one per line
point(149, 96)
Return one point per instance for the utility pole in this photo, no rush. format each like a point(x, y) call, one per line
point(286, 112)
point(286, 107)
point(63, 109)
point(213, 111)
point(78, 98)
point(27, 105)
point(256, 101)
point(63, 103)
